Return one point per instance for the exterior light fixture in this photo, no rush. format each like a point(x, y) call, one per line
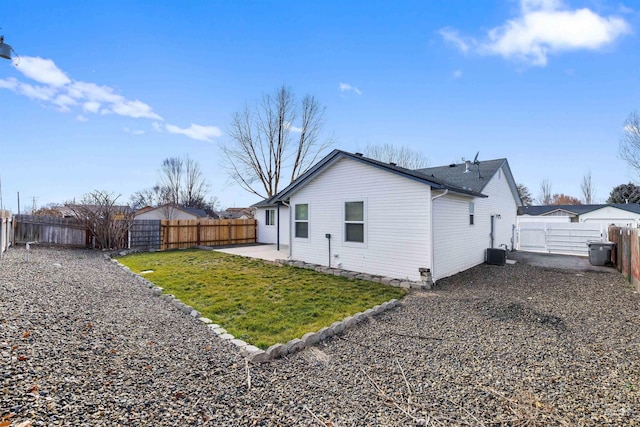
point(5, 49)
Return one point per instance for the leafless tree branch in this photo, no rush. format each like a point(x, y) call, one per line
point(263, 146)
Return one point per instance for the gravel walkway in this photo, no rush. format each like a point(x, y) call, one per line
point(83, 344)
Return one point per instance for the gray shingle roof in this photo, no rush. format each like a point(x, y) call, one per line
point(575, 209)
point(433, 181)
point(455, 174)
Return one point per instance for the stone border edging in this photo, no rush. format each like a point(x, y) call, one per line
point(253, 353)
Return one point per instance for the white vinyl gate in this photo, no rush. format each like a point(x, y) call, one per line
point(569, 238)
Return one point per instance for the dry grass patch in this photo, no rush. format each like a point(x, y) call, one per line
point(258, 302)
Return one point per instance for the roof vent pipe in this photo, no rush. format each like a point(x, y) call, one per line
point(467, 166)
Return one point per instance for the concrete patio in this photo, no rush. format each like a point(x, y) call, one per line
point(266, 252)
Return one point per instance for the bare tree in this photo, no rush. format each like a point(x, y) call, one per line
point(171, 178)
point(195, 187)
point(402, 156)
point(153, 196)
point(525, 195)
point(588, 192)
point(545, 197)
point(107, 222)
point(181, 183)
point(629, 149)
point(267, 142)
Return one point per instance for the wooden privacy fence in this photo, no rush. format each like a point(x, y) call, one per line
point(50, 231)
point(143, 234)
point(177, 234)
point(626, 254)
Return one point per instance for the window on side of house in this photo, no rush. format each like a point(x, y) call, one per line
point(302, 221)
point(471, 212)
point(354, 222)
point(270, 217)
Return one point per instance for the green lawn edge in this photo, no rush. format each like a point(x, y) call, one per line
point(259, 302)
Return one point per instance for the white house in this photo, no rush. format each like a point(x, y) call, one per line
point(273, 222)
point(170, 212)
point(360, 214)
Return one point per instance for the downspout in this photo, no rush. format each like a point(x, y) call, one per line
point(290, 241)
point(278, 226)
point(432, 240)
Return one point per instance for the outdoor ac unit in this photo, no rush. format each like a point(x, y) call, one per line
point(496, 256)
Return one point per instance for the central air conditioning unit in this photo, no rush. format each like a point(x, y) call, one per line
point(496, 256)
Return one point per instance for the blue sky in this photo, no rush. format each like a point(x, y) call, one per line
point(102, 92)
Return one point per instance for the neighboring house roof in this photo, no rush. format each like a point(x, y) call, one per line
point(472, 176)
point(336, 155)
point(200, 213)
point(575, 209)
point(235, 213)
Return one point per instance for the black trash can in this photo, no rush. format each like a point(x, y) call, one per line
point(600, 252)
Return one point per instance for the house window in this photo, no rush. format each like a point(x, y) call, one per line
point(270, 217)
point(302, 221)
point(354, 222)
point(471, 212)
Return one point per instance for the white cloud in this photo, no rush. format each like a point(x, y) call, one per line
point(42, 70)
point(134, 131)
point(135, 109)
point(58, 90)
point(9, 83)
point(457, 74)
point(452, 36)
point(197, 132)
point(542, 28)
point(91, 107)
point(63, 93)
point(344, 87)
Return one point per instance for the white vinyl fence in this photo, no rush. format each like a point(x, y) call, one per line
point(559, 238)
point(6, 231)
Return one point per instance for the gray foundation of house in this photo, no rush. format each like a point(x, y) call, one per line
point(426, 283)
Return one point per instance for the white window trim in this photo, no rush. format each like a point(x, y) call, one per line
point(308, 221)
point(365, 221)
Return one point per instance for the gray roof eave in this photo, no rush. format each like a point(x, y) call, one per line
point(339, 154)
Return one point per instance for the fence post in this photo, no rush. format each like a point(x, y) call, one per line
point(198, 231)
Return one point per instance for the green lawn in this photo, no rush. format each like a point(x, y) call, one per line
point(255, 301)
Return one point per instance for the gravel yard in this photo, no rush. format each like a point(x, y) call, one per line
point(84, 344)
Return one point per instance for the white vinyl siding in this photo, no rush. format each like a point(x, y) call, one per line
point(269, 233)
point(459, 246)
point(397, 219)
